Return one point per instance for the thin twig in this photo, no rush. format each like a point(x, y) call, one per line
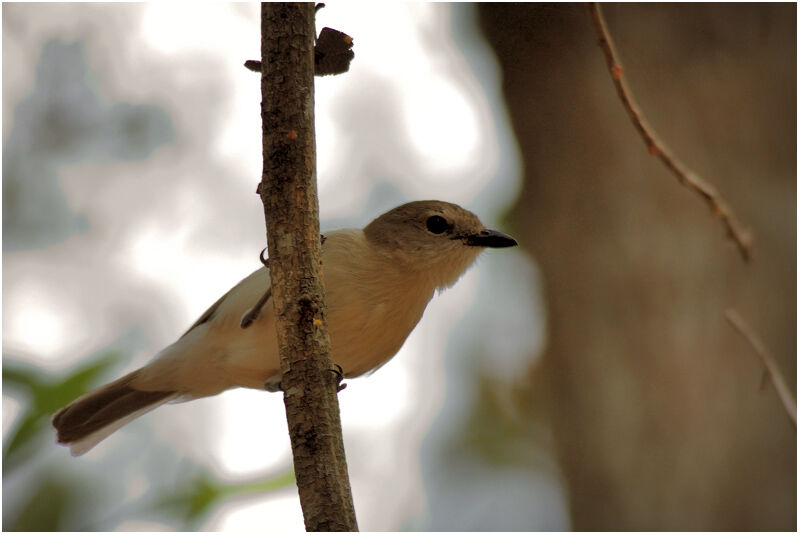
point(253, 65)
point(770, 365)
point(685, 176)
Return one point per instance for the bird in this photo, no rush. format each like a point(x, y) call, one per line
point(378, 281)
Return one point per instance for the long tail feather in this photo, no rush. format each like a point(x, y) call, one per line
point(92, 417)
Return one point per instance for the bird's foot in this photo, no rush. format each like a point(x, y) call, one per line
point(339, 373)
point(273, 384)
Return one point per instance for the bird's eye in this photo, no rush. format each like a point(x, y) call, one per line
point(437, 224)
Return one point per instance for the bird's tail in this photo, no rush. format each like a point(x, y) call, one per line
point(92, 417)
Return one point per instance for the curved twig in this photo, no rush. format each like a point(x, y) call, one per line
point(686, 177)
point(770, 366)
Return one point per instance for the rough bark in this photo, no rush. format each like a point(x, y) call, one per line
point(289, 192)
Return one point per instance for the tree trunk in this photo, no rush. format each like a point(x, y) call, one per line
point(654, 398)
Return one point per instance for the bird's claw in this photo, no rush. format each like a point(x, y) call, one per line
point(339, 373)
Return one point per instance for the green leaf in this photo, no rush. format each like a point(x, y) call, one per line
point(46, 394)
point(201, 494)
point(15, 452)
point(276, 483)
point(45, 509)
point(20, 374)
point(60, 392)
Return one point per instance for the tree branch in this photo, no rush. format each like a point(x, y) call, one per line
point(289, 192)
point(771, 367)
point(685, 176)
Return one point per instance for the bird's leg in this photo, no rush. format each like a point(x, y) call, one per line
point(273, 384)
point(338, 372)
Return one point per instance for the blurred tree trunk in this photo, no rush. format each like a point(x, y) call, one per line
point(654, 399)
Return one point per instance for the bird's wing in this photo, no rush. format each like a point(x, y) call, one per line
point(252, 312)
point(209, 314)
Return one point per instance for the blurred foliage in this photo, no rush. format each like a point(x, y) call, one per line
point(51, 503)
point(198, 496)
point(45, 395)
point(45, 509)
point(512, 428)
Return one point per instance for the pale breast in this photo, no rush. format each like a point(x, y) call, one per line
point(373, 304)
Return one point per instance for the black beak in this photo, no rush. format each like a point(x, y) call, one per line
point(490, 238)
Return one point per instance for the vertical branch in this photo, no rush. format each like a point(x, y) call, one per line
point(289, 192)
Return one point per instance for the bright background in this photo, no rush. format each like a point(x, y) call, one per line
point(131, 153)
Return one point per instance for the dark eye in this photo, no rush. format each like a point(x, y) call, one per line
point(437, 224)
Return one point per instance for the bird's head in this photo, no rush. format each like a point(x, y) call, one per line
point(439, 239)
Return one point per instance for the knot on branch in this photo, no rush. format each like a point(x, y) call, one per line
point(308, 306)
point(332, 54)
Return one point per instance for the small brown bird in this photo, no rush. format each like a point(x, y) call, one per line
point(378, 282)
